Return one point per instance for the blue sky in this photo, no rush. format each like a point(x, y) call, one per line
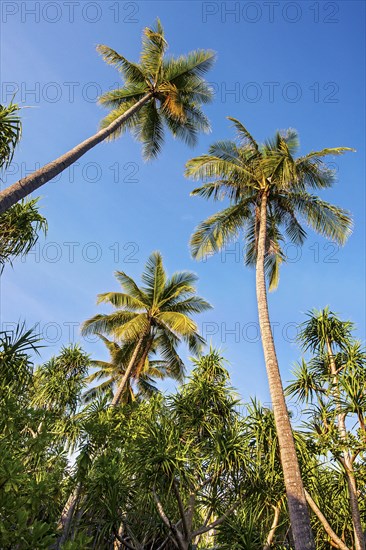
point(279, 65)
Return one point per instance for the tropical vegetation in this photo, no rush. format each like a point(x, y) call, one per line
point(95, 452)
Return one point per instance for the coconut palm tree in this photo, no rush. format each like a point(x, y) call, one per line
point(157, 91)
point(270, 194)
point(142, 376)
point(156, 316)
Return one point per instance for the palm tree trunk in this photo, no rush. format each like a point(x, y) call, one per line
point(298, 510)
point(27, 185)
point(118, 395)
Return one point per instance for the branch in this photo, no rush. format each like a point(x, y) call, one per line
point(161, 511)
point(323, 521)
point(181, 509)
point(179, 542)
point(164, 543)
point(274, 525)
point(124, 542)
point(217, 522)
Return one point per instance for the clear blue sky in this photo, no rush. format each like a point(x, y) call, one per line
point(279, 65)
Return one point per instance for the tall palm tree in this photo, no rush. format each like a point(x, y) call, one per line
point(146, 369)
point(155, 316)
point(270, 194)
point(158, 91)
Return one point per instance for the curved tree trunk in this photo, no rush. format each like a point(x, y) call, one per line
point(67, 515)
point(274, 525)
point(335, 538)
point(27, 185)
point(119, 392)
point(298, 510)
point(347, 461)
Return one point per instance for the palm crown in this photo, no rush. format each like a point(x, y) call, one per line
point(158, 313)
point(243, 172)
point(175, 86)
point(145, 371)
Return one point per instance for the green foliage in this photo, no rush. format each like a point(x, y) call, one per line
point(193, 465)
point(21, 224)
point(243, 171)
point(19, 230)
point(332, 385)
point(10, 132)
point(176, 87)
point(157, 315)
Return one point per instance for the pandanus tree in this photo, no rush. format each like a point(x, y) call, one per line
point(147, 368)
point(157, 92)
point(332, 384)
point(21, 224)
point(271, 195)
point(155, 316)
point(189, 457)
point(10, 132)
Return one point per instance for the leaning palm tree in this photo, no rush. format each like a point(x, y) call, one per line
point(145, 371)
point(157, 91)
point(155, 316)
point(270, 194)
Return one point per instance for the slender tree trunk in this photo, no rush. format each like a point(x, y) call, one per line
point(298, 510)
point(355, 509)
point(327, 528)
point(27, 185)
point(274, 525)
point(119, 392)
point(347, 461)
point(67, 514)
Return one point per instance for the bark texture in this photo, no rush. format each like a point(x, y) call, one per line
point(298, 510)
point(23, 187)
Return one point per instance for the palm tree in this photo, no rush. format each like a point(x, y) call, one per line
point(155, 316)
point(270, 194)
point(145, 371)
point(157, 92)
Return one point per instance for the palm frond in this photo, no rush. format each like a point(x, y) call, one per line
point(243, 134)
point(326, 219)
point(150, 131)
point(154, 277)
point(218, 230)
point(131, 71)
